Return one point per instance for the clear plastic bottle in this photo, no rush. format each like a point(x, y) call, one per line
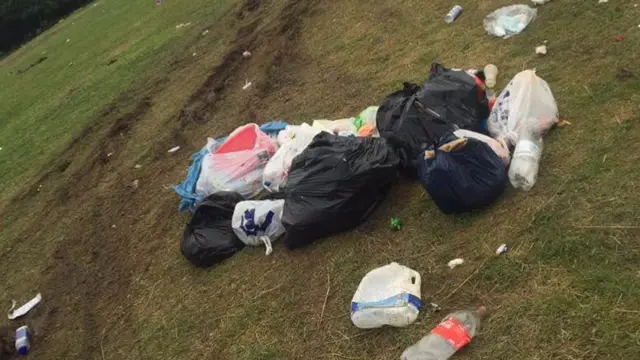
point(523, 171)
point(453, 333)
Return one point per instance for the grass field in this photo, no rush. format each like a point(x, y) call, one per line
point(127, 86)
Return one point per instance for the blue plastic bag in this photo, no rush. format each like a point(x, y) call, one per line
point(467, 177)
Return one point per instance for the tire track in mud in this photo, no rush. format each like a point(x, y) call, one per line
point(89, 283)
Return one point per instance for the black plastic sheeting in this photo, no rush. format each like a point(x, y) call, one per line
point(416, 117)
point(463, 180)
point(334, 185)
point(209, 238)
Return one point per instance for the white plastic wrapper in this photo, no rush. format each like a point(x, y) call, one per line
point(498, 147)
point(293, 140)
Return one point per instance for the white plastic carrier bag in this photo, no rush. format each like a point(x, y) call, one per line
point(258, 222)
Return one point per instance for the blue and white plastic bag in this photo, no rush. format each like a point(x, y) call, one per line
point(258, 222)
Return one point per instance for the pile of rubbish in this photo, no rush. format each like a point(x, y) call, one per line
point(328, 177)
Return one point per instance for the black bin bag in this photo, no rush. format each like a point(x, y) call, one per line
point(209, 238)
point(462, 179)
point(334, 185)
point(457, 96)
point(418, 116)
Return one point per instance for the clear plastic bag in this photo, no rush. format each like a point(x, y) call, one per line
point(527, 99)
point(509, 20)
point(523, 113)
point(237, 163)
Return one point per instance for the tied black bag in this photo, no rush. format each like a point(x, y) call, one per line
point(209, 238)
point(416, 117)
point(334, 185)
point(465, 178)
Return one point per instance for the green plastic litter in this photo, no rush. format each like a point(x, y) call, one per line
point(396, 224)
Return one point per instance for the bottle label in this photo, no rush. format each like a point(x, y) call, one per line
point(527, 148)
point(453, 332)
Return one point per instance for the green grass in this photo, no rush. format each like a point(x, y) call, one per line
point(569, 287)
point(43, 108)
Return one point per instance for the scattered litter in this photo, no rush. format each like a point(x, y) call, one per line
point(68, 40)
point(388, 295)
point(502, 249)
point(435, 307)
point(181, 25)
point(490, 74)
point(109, 154)
point(22, 340)
point(138, 166)
point(135, 183)
point(71, 63)
point(455, 262)
point(453, 333)
point(39, 188)
point(246, 54)
point(194, 54)
point(622, 74)
point(396, 224)
point(603, 1)
point(619, 37)
point(540, 2)
point(541, 50)
point(247, 84)
point(509, 20)
point(113, 226)
point(158, 2)
point(0, 148)
point(563, 123)
point(173, 149)
point(22, 310)
point(453, 14)
point(205, 32)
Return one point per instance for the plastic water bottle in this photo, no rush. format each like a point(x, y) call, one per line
point(453, 14)
point(22, 340)
point(490, 75)
point(523, 171)
point(452, 334)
